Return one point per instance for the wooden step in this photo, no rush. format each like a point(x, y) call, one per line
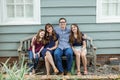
point(72, 77)
point(83, 77)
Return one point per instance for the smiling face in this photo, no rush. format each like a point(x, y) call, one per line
point(62, 23)
point(41, 34)
point(74, 28)
point(49, 29)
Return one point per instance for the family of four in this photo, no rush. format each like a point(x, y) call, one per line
point(53, 43)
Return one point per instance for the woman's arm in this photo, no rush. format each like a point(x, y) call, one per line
point(54, 47)
point(84, 45)
point(40, 51)
point(33, 49)
point(33, 39)
point(87, 37)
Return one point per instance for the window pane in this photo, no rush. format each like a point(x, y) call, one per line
point(28, 1)
point(105, 1)
point(109, 7)
point(10, 11)
point(18, 1)
point(19, 11)
point(113, 1)
point(10, 1)
point(112, 9)
point(105, 9)
point(28, 11)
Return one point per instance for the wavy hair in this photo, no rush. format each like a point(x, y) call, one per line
point(79, 35)
point(38, 37)
point(47, 33)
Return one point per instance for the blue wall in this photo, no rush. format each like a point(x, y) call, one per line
point(83, 12)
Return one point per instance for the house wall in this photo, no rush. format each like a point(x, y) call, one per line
point(83, 12)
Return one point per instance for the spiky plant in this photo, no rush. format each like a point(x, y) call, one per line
point(1, 76)
point(16, 72)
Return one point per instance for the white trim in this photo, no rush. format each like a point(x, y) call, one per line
point(36, 20)
point(4, 12)
point(108, 20)
point(1, 10)
point(104, 19)
point(21, 22)
point(37, 10)
point(98, 10)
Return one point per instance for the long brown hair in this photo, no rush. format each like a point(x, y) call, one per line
point(79, 35)
point(38, 37)
point(47, 34)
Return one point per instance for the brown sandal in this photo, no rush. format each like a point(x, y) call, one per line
point(79, 73)
point(85, 72)
point(56, 71)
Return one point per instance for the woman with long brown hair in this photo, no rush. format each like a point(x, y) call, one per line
point(51, 44)
point(78, 44)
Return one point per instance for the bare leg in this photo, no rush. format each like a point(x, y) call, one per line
point(50, 60)
point(84, 60)
point(77, 54)
point(47, 65)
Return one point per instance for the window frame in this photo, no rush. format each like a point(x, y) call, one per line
point(36, 20)
point(104, 19)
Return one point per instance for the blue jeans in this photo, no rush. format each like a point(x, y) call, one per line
point(68, 52)
point(33, 63)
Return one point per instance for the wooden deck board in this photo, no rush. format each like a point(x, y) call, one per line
point(83, 77)
point(73, 77)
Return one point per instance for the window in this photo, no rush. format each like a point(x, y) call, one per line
point(108, 11)
point(20, 12)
